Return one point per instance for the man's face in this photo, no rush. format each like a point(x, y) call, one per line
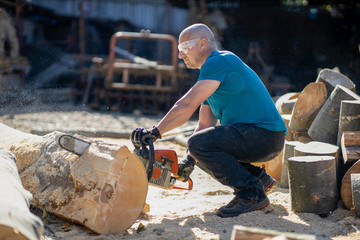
point(189, 51)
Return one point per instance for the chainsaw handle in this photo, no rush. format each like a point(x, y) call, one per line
point(190, 185)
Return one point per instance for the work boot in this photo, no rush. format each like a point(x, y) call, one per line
point(268, 182)
point(242, 204)
point(185, 168)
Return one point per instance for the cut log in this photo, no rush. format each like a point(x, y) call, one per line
point(350, 146)
point(312, 184)
point(355, 189)
point(332, 78)
point(246, 233)
point(349, 118)
point(345, 191)
point(16, 220)
point(104, 189)
point(288, 153)
point(325, 126)
point(286, 102)
point(308, 104)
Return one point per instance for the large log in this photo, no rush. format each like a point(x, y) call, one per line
point(349, 118)
point(16, 220)
point(345, 191)
point(309, 102)
point(307, 178)
point(104, 189)
point(355, 189)
point(325, 126)
point(350, 146)
point(332, 78)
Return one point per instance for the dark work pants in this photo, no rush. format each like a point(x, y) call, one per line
point(225, 152)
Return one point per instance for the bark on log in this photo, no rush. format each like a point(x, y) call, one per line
point(332, 78)
point(326, 124)
point(16, 220)
point(289, 149)
point(307, 178)
point(345, 191)
point(309, 102)
point(104, 189)
point(349, 118)
point(355, 189)
point(286, 102)
point(350, 146)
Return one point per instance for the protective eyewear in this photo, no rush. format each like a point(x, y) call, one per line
point(187, 45)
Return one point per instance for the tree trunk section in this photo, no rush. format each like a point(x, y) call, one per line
point(349, 118)
point(345, 191)
point(307, 178)
point(350, 146)
point(326, 124)
point(286, 102)
point(288, 153)
point(309, 102)
point(286, 118)
point(332, 78)
point(16, 220)
point(355, 189)
point(104, 189)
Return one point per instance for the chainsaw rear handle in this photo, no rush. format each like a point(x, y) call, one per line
point(190, 185)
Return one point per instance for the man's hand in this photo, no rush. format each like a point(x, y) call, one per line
point(186, 167)
point(140, 136)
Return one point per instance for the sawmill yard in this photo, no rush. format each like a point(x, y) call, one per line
point(171, 214)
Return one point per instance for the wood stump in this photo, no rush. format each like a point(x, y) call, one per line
point(289, 150)
point(355, 189)
point(308, 104)
point(16, 220)
point(345, 191)
point(332, 78)
point(350, 146)
point(286, 102)
point(312, 183)
point(349, 118)
point(325, 126)
point(104, 189)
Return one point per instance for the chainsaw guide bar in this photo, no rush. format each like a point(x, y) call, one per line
point(73, 144)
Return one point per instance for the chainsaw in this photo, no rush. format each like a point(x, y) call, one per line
point(161, 165)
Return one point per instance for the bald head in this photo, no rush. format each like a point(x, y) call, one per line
point(199, 30)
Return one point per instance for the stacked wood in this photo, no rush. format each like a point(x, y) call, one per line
point(333, 78)
point(286, 102)
point(346, 191)
point(308, 191)
point(309, 102)
point(325, 126)
point(16, 220)
point(355, 189)
point(349, 118)
point(289, 150)
point(104, 189)
point(350, 145)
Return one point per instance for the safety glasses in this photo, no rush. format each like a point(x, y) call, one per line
point(187, 45)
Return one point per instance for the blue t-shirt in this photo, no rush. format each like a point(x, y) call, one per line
point(241, 96)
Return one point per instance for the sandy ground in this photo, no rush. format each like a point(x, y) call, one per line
point(174, 214)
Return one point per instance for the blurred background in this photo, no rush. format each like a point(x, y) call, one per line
point(78, 51)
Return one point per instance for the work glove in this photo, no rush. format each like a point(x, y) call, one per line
point(140, 136)
point(185, 168)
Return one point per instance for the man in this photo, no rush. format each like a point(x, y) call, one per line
point(250, 130)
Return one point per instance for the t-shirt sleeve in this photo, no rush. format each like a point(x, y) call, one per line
point(213, 69)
